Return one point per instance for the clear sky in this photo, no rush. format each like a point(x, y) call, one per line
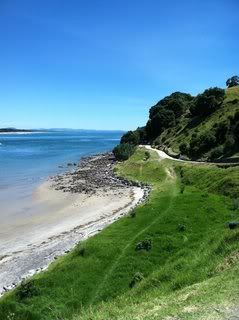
point(101, 64)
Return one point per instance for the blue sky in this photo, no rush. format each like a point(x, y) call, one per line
point(101, 64)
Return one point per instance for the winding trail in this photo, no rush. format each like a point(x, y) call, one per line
point(163, 155)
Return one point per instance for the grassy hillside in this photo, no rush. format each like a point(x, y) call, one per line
point(204, 127)
point(167, 260)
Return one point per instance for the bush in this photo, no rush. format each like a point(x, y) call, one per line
point(147, 155)
point(182, 188)
point(221, 130)
point(27, 289)
point(80, 251)
point(133, 214)
point(216, 153)
point(123, 151)
point(181, 227)
point(202, 143)
point(229, 144)
point(144, 245)
point(183, 148)
point(138, 276)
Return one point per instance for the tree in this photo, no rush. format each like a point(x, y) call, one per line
point(161, 121)
point(132, 137)
point(176, 102)
point(232, 82)
point(123, 151)
point(207, 102)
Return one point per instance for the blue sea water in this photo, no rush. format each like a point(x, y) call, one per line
point(26, 159)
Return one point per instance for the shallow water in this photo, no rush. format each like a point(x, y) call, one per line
point(28, 159)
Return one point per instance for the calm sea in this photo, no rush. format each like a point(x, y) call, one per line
point(27, 159)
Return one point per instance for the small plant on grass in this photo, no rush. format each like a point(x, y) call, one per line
point(80, 251)
point(233, 225)
point(27, 289)
point(144, 245)
point(133, 214)
point(147, 155)
point(182, 188)
point(181, 227)
point(138, 276)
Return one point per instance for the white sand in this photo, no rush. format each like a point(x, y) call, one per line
point(63, 219)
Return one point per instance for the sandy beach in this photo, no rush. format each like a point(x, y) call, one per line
point(72, 207)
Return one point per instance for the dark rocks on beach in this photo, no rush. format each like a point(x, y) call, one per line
point(91, 174)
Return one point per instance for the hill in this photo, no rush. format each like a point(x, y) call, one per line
point(205, 127)
point(173, 257)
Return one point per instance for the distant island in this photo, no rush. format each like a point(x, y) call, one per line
point(10, 130)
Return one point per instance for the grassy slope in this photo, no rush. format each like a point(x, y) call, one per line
point(183, 132)
point(180, 269)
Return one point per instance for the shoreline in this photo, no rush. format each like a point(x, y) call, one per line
point(77, 205)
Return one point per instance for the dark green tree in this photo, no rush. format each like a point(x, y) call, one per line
point(161, 121)
point(132, 137)
point(207, 102)
point(176, 102)
point(232, 82)
point(123, 151)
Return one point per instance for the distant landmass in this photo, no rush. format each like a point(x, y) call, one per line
point(6, 130)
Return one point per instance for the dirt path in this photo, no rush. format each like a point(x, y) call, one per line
point(163, 155)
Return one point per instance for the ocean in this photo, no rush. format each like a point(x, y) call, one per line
point(28, 159)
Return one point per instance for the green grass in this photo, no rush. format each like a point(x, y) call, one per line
point(219, 180)
point(95, 284)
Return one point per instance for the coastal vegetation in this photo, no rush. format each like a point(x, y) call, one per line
point(170, 257)
point(204, 127)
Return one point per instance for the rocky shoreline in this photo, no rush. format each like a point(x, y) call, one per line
point(93, 178)
point(92, 173)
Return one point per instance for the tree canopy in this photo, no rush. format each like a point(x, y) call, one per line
point(207, 102)
point(232, 82)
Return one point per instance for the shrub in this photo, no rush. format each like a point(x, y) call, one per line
point(229, 144)
point(181, 227)
point(80, 251)
point(183, 148)
point(182, 188)
point(221, 131)
point(138, 276)
point(216, 153)
point(27, 289)
point(123, 151)
point(147, 155)
point(202, 143)
point(144, 245)
point(133, 214)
